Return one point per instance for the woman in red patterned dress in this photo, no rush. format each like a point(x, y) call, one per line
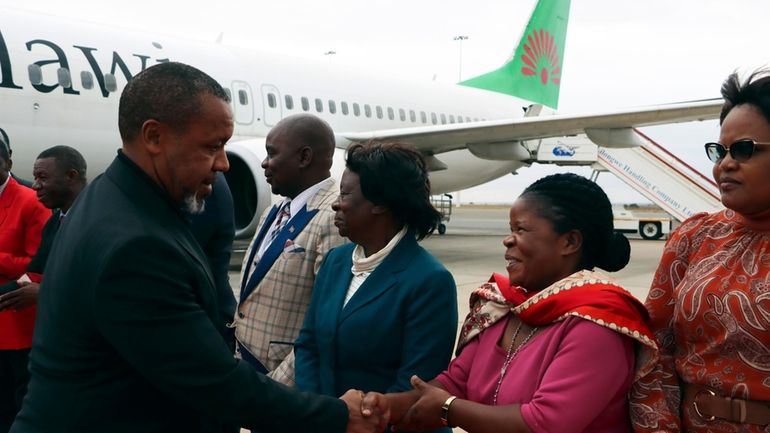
point(710, 298)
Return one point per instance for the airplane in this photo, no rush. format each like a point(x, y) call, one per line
point(60, 81)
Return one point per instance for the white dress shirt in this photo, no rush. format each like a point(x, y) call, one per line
point(297, 203)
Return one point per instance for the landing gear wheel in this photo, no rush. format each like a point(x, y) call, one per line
point(650, 230)
point(441, 228)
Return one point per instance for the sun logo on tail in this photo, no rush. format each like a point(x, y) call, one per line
point(541, 57)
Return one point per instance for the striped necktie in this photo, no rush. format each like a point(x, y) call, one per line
point(283, 217)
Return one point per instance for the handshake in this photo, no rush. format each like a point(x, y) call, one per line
point(417, 410)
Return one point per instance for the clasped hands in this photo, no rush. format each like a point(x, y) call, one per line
point(415, 410)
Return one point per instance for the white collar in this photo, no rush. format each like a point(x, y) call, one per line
point(363, 264)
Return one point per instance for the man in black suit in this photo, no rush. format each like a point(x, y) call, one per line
point(214, 229)
point(127, 337)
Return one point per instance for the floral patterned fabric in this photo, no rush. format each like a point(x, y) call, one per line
point(709, 308)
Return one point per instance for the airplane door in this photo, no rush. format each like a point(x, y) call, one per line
point(243, 105)
point(271, 102)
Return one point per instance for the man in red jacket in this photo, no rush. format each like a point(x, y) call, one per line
point(22, 218)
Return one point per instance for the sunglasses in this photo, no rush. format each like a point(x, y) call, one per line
point(740, 150)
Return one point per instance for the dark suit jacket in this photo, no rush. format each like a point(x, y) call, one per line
point(46, 243)
point(401, 321)
point(126, 339)
point(214, 229)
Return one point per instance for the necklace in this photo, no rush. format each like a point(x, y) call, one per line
point(509, 355)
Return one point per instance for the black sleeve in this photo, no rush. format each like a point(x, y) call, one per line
point(37, 265)
point(214, 229)
point(149, 311)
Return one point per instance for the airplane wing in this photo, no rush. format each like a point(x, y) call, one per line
point(610, 129)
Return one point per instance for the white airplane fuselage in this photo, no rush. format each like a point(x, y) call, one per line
point(39, 53)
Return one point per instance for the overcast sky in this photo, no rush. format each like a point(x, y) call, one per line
point(619, 53)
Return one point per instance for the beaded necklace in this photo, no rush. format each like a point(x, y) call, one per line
point(510, 354)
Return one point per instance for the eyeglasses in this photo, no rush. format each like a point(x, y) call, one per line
point(740, 150)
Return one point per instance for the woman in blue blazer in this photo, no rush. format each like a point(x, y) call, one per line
point(383, 308)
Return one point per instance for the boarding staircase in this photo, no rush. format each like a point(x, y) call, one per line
point(664, 179)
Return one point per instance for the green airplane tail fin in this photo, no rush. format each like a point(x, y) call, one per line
point(534, 71)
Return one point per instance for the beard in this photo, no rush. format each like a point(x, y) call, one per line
point(193, 204)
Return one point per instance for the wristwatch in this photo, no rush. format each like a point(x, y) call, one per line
point(445, 411)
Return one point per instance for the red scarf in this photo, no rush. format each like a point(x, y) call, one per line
point(589, 295)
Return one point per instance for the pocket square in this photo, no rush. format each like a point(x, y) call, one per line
point(291, 247)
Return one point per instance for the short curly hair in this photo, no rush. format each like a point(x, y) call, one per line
point(67, 158)
point(395, 175)
point(167, 92)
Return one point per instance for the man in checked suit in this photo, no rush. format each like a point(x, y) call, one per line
point(294, 236)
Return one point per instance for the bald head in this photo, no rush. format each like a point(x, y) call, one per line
point(300, 152)
point(311, 131)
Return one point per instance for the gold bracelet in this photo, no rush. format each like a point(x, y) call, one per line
point(445, 411)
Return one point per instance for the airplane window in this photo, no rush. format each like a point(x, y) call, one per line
point(83, 74)
point(111, 84)
point(63, 77)
point(433, 118)
point(319, 105)
point(344, 107)
point(379, 111)
point(87, 80)
point(467, 119)
point(391, 115)
point(402, 114)
point(412, 116)
point(243, 97)
point(289, 102)
point(423, 117)
point(35, 74)
point(451, 118)
point(356, 109)
point(305, 104)
point(443, 119)
point(367, 110)
point(459, 119)
point(475, 119)
point(332, 107)
point(271, 100)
